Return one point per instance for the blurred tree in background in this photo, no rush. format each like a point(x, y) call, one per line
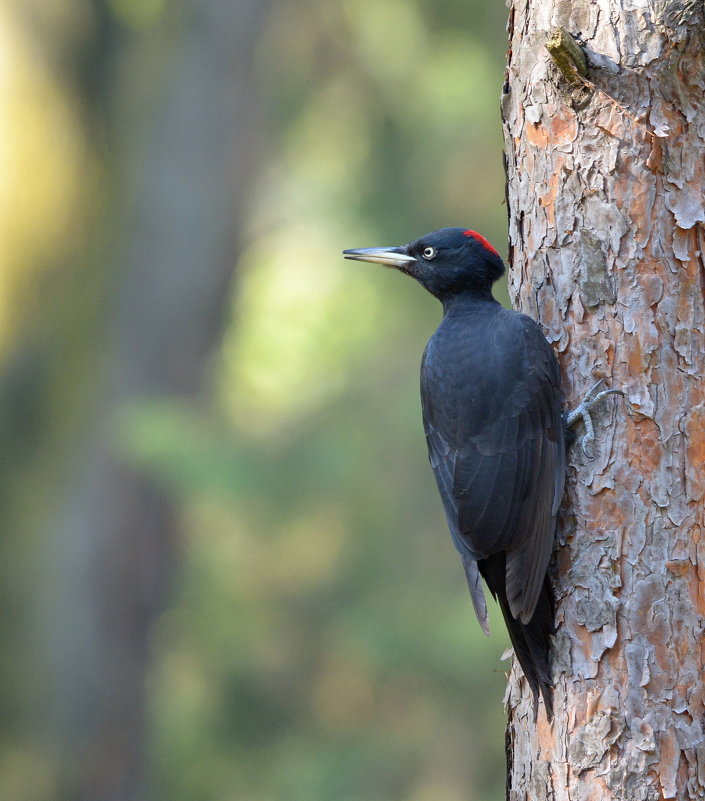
point(225, 569)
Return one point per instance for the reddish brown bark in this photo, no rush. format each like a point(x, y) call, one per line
point(606, 190)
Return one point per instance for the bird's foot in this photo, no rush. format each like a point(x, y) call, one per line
point(582, 412)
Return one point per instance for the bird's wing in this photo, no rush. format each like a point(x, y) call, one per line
point(495, 438)
point(443, 470)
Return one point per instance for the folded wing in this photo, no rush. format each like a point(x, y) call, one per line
point(492, 416)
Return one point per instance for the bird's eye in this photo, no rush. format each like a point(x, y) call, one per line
point(428, 253)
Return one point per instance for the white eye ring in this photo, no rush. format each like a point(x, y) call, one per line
point(428, 253)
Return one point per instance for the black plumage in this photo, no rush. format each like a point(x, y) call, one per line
point(492, 413)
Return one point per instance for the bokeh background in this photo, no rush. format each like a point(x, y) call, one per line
point(225, 572)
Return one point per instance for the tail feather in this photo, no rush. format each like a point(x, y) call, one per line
point(472, 574)
point(531, 641)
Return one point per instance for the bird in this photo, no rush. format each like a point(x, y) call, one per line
point(496, 431)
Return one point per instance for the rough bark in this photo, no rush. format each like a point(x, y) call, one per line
point(606, 188)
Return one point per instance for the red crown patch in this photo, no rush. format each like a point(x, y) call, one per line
point(481, 239)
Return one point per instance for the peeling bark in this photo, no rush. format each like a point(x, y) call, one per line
point(606, 196)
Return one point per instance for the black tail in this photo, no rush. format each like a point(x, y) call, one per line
point(531, 641)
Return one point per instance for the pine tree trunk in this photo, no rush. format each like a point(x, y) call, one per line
point(606, 199)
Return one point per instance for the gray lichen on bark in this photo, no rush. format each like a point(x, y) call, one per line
point(596, 286)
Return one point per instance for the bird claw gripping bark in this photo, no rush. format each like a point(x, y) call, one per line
point(582, 412)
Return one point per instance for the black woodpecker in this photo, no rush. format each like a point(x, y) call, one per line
point(496, 434)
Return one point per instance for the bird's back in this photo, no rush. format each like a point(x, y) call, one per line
point(491, 400)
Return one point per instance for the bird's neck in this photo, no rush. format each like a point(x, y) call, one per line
point(466, 301)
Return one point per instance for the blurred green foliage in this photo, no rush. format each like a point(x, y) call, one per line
point(320, 643)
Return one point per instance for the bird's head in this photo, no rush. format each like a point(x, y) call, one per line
point(448, 262)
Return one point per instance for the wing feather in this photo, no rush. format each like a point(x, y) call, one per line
point(492, 416)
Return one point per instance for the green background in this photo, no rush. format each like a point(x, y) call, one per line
point(318, 643)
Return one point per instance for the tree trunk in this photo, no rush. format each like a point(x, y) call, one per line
point(606, 188)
